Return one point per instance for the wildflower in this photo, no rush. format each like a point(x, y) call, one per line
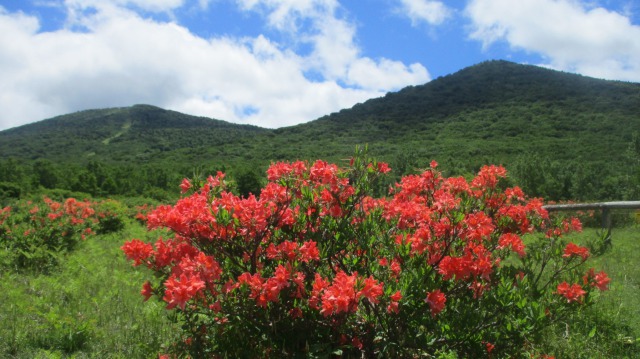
point(436, 300)
point(179, 292)
point(383, 167)
point(394, 303)
point(573, 293)
point(340, 296)
point(599, 280)
point(513, 241)
point(146, 291)
point(185, 185)
point(574, 250)
point(137, 251)
point(372, 290)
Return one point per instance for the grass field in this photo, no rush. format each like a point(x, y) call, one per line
point(611, 328)
point(90, 307)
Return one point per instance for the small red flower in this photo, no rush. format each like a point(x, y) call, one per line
point(599, 280)
point(185, 185)
point(146, 291)
point(393, 306)
point(574, 250)
point(436, 300)
point(573, 293)
point(383, 167)
point(372, 290)
point(180, 290)
point(137, 251)
point(512, 241)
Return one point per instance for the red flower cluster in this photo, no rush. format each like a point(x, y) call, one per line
point(573, 293)
point(180, 290)
point(137, 251)
point(599, 280)
point(573, 249)
point(313, 248)
point(513, 241)
point(344, 294)
point(436, 300)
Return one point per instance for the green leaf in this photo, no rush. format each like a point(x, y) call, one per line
point(592, 333)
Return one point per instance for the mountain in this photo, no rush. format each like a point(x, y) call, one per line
point(132, 134)
point(490, 112)
point(561, 135)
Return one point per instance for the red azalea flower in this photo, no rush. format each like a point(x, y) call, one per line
point(574, 250)
point(436, 300)
point(573, 293)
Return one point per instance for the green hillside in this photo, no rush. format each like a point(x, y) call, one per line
point(491, 111)
point(562, 136)
point(136, 134)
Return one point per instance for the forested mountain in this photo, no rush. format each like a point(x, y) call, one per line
point(134, 134)
point(561, 135)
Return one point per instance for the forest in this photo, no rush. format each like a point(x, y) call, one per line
point(562, 137)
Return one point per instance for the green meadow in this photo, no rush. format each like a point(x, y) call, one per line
point(89, 306)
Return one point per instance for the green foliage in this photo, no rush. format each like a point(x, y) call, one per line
point(87, 308)
point(111, 216)
point(248, 182)
point(579, 130)
point(9, 190)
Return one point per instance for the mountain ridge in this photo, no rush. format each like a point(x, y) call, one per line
point(493, 112)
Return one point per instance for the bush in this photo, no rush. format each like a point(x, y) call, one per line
point(33, 235)
point(9, 190)
point(314, 266)
point(110, 214)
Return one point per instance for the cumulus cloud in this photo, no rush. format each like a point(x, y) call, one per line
point(108, 55)
point(429, 11)
point(335, 54)
point(570, 35)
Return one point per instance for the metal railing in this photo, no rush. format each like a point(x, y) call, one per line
point(605, 207)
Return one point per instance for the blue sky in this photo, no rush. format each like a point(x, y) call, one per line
point(275, 63)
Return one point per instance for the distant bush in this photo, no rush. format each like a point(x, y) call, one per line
point(111, 216)
point(9, 190)
point(35, 234)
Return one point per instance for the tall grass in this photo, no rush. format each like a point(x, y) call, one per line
point(611, 328)
point(90, 307)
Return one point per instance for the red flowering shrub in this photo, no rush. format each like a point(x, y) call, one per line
point(315, 266)
point(35, 234)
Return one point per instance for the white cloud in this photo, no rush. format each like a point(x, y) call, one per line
point(335, 54)
point(109, 55)
point(571, 35)
point(429, 11)
point(149, 5)
point(284, 14)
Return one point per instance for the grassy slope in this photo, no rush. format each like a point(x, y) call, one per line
point(611, 328)
point(89, 308)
